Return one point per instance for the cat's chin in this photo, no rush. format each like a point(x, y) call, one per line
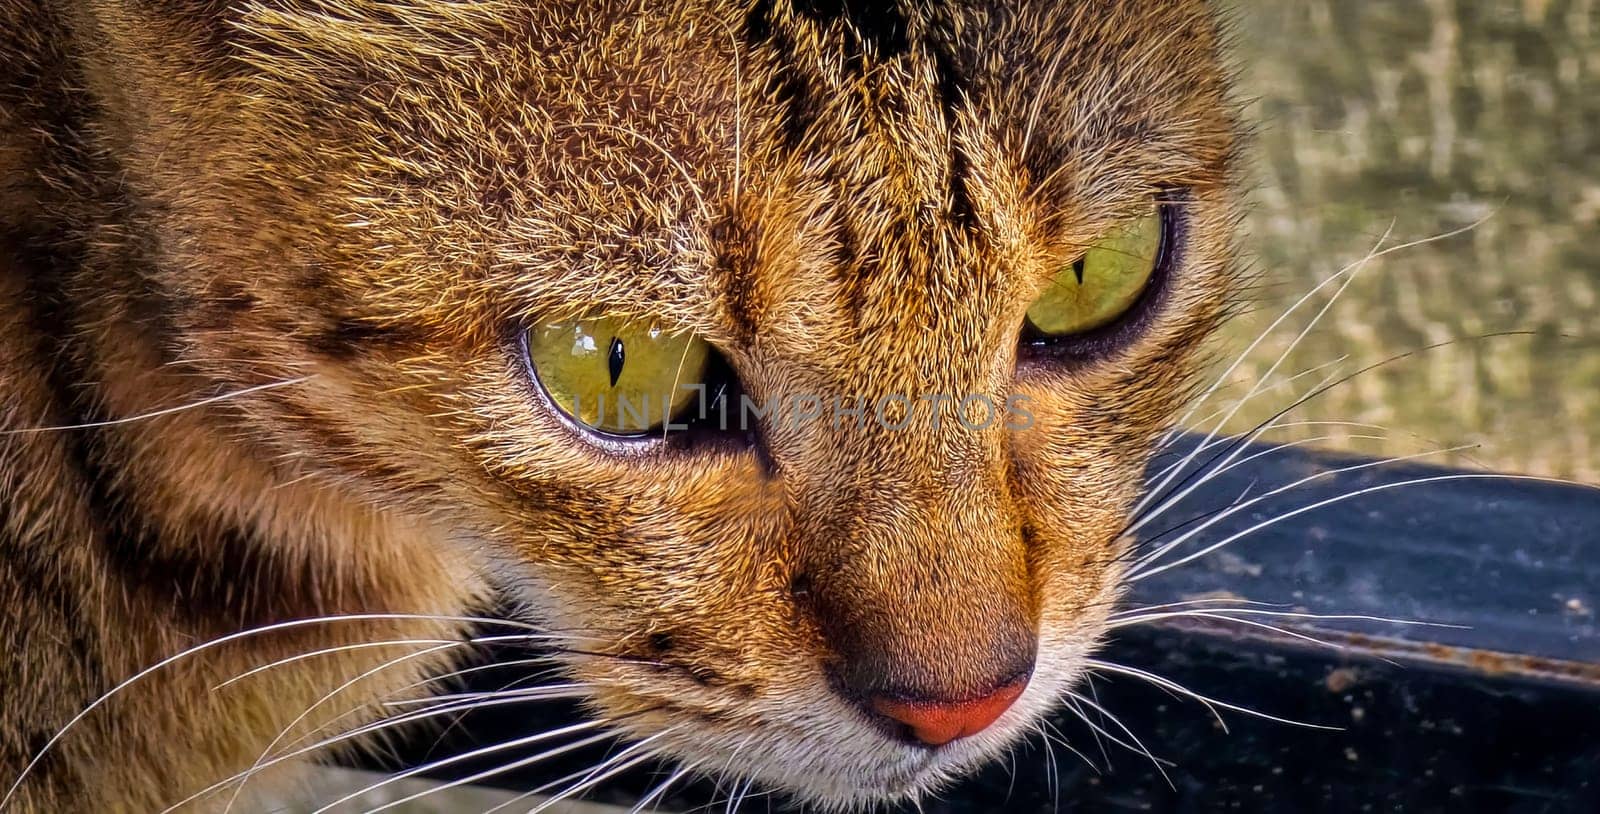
point(867, 787)
point(861, 769)
point(852, 781)
point(831, 759)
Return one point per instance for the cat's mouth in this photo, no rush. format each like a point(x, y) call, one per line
point(807, 742)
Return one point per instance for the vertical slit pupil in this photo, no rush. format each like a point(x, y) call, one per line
point(1077, 270)
point(614, 360)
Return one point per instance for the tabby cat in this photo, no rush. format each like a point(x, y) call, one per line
point(792, 365)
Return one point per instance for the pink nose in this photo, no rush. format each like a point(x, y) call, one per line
point(938, 723)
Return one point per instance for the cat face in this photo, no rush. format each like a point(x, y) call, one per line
point(852, 207)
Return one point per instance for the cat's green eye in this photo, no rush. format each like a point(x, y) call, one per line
point(1104, 283)
point(625, 378)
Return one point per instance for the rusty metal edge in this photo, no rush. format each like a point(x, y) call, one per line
point(1483, 663)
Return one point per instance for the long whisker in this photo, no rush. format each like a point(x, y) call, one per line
point(1158, 553)
point(1216, 464)
point(1078, 702)
point(1138, 746)
point(607, 762)
point(531, 695)
point(480, 696)
point(1264, 626)
point(1201, 601)
point(327, 651)
point(1348, 496)
point(1349, 272)
point(218, 642)
point(1176, 434)
point(596, 776)
point(113, 422)
point(1286, 425)
point(737, 799)
point(336, 720)
point(1215, 613)
point(677, 376)
point(1054, 735)
point(1168, 684)
point(738, 112)
point(659, 790)
point(469, 755)
point(727, 767)
point(1094, 693)
point(492, 665)
point(1348, 275)
point(388, 665)
point(1051, 771)
point(283, 733)
point(463, 707)
point(359, 732)
point(1233, 446)
point(1225, 467)
point(513, 766)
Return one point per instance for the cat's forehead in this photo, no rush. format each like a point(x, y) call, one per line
point(880, 150)
point(668, 159)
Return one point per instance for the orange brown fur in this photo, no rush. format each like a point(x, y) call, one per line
point(370, 198)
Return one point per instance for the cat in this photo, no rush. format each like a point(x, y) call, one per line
point(315, 308)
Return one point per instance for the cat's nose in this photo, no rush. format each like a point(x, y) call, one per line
point(936, 721)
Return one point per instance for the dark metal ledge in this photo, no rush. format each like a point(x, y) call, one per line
point(1501, 714)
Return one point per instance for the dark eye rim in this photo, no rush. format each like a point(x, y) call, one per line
point(697, 429)
point(1098, 343)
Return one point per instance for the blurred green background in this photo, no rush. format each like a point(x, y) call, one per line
point(1426, 116)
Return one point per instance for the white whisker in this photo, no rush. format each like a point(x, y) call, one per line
point(341, 738)
point(1351, 270)
point(1189, 602)
point(1174, 435)
point(1053, 735)
point(327, 651)
point(1340, 499)
point(1051, 771)
point(607, 769)
point(1215, 613)
point(283, 733)
point(337, 719)
point(477, 668)
point(1200, 614)
point(1214, 466)
point(1139, 570)
point(350, 735)
point(496, 639)
point(659, 790)
point(550, 690)
point(218, 642)
point(737, 799)
point(476, 753)
point(1348, 275)
point(727, 766)
point(1169, 684)
point(1138, 746)
point(164, 411)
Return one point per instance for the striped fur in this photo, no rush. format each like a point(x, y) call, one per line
point(338, 213)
